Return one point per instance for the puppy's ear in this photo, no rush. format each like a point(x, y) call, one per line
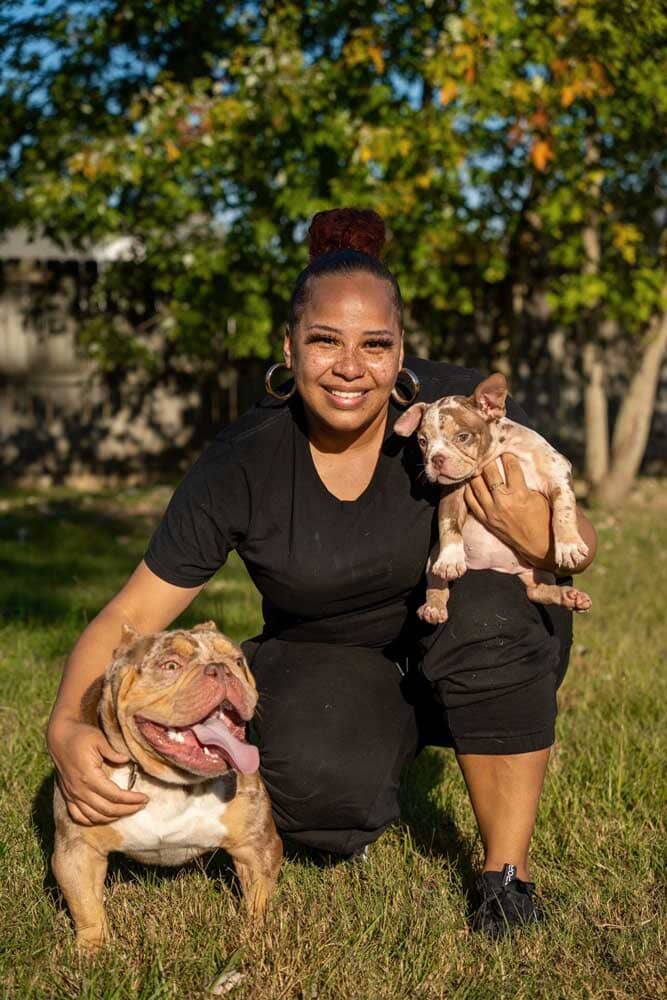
point(409, 421)
point(205, 627)
point(490, 395)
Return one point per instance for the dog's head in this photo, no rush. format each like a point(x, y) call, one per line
point(178, 702)
point(456, 433)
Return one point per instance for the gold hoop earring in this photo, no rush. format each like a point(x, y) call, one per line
point(282, 396)
point(414, 386)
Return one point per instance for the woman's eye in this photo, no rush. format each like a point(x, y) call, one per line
point(462, 438)
point(379, 344)
point(171, 665)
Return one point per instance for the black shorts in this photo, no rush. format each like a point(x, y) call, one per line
point(337, 724)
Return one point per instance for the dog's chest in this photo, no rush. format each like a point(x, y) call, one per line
point(176, 823)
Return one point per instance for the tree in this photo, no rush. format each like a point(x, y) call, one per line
point(515, 147)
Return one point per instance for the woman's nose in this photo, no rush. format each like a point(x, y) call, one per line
point(348, 364)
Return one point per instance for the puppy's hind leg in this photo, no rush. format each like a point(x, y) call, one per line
point(542, 588)
point(80, 871)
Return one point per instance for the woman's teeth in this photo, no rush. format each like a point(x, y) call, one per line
point(343, 394)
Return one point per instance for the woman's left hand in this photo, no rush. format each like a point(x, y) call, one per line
point(516, 515)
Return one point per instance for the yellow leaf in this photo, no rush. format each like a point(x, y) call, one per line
point(376, 57)
point(540, 154)
point(448, 92)
point(568, 94)
point(173, 152)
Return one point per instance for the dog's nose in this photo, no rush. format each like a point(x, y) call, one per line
point(217, 670)
point(437, 460)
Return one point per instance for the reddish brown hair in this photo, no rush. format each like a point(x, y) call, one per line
point(344, 241)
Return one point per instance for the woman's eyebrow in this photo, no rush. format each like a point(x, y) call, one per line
point(366, 333)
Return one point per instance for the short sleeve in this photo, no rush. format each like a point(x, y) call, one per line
point(206, 518)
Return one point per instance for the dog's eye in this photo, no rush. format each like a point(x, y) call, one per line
point(170, 665)
point(422, 441)
point(462, 438)
point(240, 661)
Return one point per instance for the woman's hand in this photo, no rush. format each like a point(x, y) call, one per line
point(78, 750)
point(516, 515)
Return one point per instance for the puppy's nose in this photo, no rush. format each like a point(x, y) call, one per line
point(438, 460)
point(217, 670)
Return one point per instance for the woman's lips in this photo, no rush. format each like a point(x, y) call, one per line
point(346, 399)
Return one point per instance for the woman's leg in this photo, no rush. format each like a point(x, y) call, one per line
point(495, 665)
point(334, 732)
point(504, 792)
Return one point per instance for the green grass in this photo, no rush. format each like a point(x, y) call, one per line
point(395, 927)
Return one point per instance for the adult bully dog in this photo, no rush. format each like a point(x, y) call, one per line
point(458, 437)
point(176, 703)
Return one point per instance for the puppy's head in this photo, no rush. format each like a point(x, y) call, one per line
point(178, 702)
point(456, 433)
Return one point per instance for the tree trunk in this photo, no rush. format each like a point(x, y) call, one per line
point(595, 392)
point(634, 420)
point(596, 418)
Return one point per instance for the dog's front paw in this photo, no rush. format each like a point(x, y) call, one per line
point(451, 562)
point(569, 555)
point(432, 614)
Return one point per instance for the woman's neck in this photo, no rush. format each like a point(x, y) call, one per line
point(330, 441)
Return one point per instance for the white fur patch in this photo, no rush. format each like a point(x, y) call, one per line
point(451, 562)
point(175, 816)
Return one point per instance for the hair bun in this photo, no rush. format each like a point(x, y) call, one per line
point(346, 229)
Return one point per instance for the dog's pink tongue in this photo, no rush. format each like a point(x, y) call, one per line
point(244, 756)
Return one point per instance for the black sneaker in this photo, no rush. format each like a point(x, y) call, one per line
point(505, 902)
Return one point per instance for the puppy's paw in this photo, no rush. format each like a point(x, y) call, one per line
point(451, 562)
point(570, 554)
point(433, 615)
point(576, 600)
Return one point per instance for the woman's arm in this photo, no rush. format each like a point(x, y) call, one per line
point(521, 517)
point(75, 742)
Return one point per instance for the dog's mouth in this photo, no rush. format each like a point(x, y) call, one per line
point(210, 746)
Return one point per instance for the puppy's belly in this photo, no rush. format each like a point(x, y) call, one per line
point(485, 551)
point(178, 823)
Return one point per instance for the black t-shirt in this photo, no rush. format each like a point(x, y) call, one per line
point(328, 570)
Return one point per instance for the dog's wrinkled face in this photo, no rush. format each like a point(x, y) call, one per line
point(179, 702)
point(455, 433)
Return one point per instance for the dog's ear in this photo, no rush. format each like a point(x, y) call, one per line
point(409, 421)
point(205, 627)
point(128, 635)
point(490, 395)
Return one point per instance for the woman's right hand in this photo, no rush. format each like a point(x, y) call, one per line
point(78, 751)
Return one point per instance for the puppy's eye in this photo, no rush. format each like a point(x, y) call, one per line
point(462, 438)
point(170, 665)
point(240, 661)
point(423, 441)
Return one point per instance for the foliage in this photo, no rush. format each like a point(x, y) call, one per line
point(490, 133)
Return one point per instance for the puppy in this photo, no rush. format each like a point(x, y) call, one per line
point(458, 436)
point(176, 703)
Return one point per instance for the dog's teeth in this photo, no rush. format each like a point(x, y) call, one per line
point(207, 752)
point(175, 736)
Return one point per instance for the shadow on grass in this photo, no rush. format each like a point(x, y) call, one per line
point(47, 553)
point(430, 826)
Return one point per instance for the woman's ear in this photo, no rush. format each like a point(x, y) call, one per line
point(287, 346)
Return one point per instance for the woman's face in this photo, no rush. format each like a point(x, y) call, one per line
point(346, 351)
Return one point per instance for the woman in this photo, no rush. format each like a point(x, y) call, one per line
point(326, 508)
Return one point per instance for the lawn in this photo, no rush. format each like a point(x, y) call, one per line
point(396, 926)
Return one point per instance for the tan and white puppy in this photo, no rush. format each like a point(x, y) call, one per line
point(177, 704)
point(458, 436)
